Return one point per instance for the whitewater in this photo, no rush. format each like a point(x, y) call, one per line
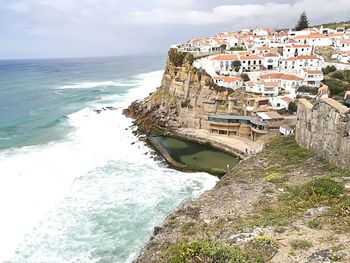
point(93, 195)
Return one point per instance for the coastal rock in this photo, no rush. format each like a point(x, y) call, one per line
point(184, 99)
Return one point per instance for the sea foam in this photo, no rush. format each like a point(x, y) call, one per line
point(96, 195)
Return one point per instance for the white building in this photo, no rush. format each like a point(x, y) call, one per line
point(287, 82)
point(280, 103)
point(295, 63)
point(271, 61)
point(312, 77)
point(296, 50)
point(264, 88)
point(228, 82)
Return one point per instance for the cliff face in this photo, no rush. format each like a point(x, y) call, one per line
point(325, 129)
point(184, 99)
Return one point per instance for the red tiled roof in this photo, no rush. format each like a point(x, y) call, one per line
point(302, 57)
point(226, 57)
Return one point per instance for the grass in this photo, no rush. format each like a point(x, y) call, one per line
point(202, 251)
point(300, 244)
point(274, 177)
point(260, 249)
point(323, 191)
point(313, 224)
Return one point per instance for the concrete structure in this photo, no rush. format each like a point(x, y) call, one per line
point(252, 127)
point(325, 129)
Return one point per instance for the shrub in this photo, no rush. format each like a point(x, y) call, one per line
point(237, 48)
point(185, 103)
point(307, 89)
point(329, 69)
point(336, 86)
point(178, 58)
point(245, 77)
point(188, 228)
point(262, 248)
point(343, 208)
point(274, 177)
point(338, 75)
point(202, 251)
point(313, 224)
point(301, 244)
point(293, 106)
point(318, 188)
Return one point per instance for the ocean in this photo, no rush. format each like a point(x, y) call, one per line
point(75, 184)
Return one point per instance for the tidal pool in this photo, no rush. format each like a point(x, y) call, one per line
point(195, 156)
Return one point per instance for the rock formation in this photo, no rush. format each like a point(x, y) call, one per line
point(184, 99)
point(325, 129)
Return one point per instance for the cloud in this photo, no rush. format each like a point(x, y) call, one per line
point(102, 27)
point(265, 14)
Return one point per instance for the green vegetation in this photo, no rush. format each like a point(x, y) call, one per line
point(274, 177)
point(308, 89)
point(185, 103)
point(301, 244)
point(329, 69)
point(336, 86)
point(203, 251)
point(262, 249)
point(287, 153)
point(245, 77)
point(237, 48)
point(178, 58)
point(293, 106)
point(303, 22)
point(313, 224)
point(345, 24)
point(298, 181)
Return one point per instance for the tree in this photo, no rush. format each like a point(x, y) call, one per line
point(303, 22)
point(245, 77)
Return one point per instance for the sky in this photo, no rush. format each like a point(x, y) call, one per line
point(87, 28)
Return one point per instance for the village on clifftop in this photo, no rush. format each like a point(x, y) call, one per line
point(273, 67)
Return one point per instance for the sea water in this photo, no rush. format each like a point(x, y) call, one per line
point(75, 184)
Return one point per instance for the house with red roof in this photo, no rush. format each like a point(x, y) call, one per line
point(228, 82)
point(312, 77)
point(293, 50)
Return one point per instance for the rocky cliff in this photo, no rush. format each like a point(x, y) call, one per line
point(184, 99)
point(325, 129)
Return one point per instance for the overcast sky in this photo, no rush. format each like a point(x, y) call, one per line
point(76, 28)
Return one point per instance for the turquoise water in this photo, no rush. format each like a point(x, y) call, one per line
point(75, 183)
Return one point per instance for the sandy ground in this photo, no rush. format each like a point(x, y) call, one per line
point(239, 143)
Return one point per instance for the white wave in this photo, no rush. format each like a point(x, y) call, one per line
point(95, 84)
point(49, 192)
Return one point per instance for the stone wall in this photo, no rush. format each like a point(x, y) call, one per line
point(325, 129)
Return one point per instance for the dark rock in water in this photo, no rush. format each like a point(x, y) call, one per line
point(133, 143)
point(98, 111)
point(157, 158)
point(146, 153)
point(111, 108)
point(157, 230)
point(126, 129)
